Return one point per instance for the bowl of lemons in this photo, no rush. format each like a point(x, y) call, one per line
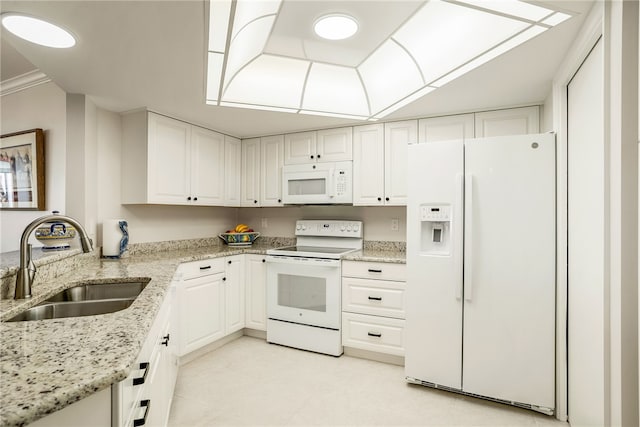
point(240, 235)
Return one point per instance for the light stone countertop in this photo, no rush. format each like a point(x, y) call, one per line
point(47, 365)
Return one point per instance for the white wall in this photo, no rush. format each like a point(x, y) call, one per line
point(546, 120)
point(281, 221)
point(42, 106)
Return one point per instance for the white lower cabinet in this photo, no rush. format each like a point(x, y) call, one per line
point(373, 306)
point(255, 292)
point(210, 300)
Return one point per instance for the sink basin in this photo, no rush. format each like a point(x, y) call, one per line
point(72, 309)
point(87, 299)
point(99, 291)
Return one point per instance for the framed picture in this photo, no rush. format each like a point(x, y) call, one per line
point(22, 170)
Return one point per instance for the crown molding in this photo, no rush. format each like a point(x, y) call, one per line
point(22, 82)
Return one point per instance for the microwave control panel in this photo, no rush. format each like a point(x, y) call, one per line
point(341, 182)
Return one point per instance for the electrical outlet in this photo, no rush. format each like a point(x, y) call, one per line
point(265, 224)
point(395, 224)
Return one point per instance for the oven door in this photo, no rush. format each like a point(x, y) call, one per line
point(304, 290)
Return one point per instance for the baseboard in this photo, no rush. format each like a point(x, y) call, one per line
point(255, 333)
point(375, 356)
point(210, 347)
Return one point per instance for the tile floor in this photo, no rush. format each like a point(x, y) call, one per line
point(251, 383)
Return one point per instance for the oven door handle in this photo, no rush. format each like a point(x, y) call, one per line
point(294, 260)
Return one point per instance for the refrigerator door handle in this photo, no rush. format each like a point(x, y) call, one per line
point(458, 249)
point(468, 242)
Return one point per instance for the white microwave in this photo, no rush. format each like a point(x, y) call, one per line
point(317, 183)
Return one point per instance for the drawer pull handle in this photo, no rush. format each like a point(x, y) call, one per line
point(146, 404)
point(205, 267)
point(373, 270)
point(141, 380)
point(374, 334)
point(165, 340)
point(375, 298)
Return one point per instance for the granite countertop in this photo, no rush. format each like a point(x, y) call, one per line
point(47, 365)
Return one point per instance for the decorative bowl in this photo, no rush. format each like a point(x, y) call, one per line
point(55, 236)
point(239, 239)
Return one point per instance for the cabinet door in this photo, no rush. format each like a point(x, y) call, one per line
point(514, 121)
point(232, 171)
point(334, 145)
point(169, 159)
point(207, 167)
point(446, 128)
point(397, 136)
point(250, 172)
point(368, 165)
point(201, 304)
point(300, 148)
point(255, 296)
point(272, 158)
point(234, 294)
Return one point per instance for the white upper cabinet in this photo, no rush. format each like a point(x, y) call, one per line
point(300, 148)
point(167, 161)
point(232, 171)
point(513, 121)
point(368, 165)
point(397, 136)
point(446, 128)
point(334, 145)
point(250, 194)
point(207, 167)
point(330, 145)
point(272, 159)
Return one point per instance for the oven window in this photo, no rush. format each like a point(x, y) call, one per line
point(308, 293)
point(307, 187)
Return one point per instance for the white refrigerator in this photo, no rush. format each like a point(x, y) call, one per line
point(481, 242)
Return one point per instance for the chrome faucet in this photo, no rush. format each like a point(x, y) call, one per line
point(27, 271)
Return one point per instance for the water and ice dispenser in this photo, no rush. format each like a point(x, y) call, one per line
point(435, 229)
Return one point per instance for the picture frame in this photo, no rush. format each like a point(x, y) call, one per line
point(22, 179)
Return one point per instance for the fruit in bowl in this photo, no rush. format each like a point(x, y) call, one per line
point(241, 228)
point(240, 235)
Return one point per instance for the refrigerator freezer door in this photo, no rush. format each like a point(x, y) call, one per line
point(434, 263)
point(510, 239)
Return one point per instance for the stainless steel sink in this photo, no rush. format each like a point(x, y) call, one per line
point(87, 299)
point(72, 309)
point(99, 291)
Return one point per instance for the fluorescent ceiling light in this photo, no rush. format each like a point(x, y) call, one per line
point(37, 31)
point(439, 42)
point(335, 27)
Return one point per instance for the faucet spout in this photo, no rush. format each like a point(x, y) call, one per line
point(27, 270)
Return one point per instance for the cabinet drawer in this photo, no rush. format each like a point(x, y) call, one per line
point(190, 270)
point(375, 270)
point(373, 333)
point(376, 297)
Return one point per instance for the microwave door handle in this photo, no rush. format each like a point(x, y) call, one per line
point(332, 190)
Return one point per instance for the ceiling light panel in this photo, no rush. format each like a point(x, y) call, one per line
point(556, 18)
point(517, 8)
point(247, 45)
point(247, 11)
point(443, 36)
point(269, 81)
point(214, 74)
point(389, 74)
point(219, 11)
point(37, 31)
point(326, 83)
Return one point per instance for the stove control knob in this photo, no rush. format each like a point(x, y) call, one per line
point(304, 227)
point(348, 228)
point(342, 228)
point(298, 227)
point(356, 228)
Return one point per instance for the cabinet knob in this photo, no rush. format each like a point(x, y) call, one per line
point(318, 156)
point(189, 198)
point(312, 156)
point(255, 201)
point(279, 200)
point(264, 260)
point(229, 262)
point(379, 199)
point(224, 279)
point(386, 198)
point(195, 198)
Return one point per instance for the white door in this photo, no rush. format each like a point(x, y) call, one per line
point(434, 280)
point(300, 148)
point(256, 292)
point(169, 160)
point(368, 165)
point(207, 167)
point(509, 269)
point(272, 159)
point(234, 294)
point(586, 256)
point(397, 136)
point(250, 194)
point(334, 145)
point(232, 171)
